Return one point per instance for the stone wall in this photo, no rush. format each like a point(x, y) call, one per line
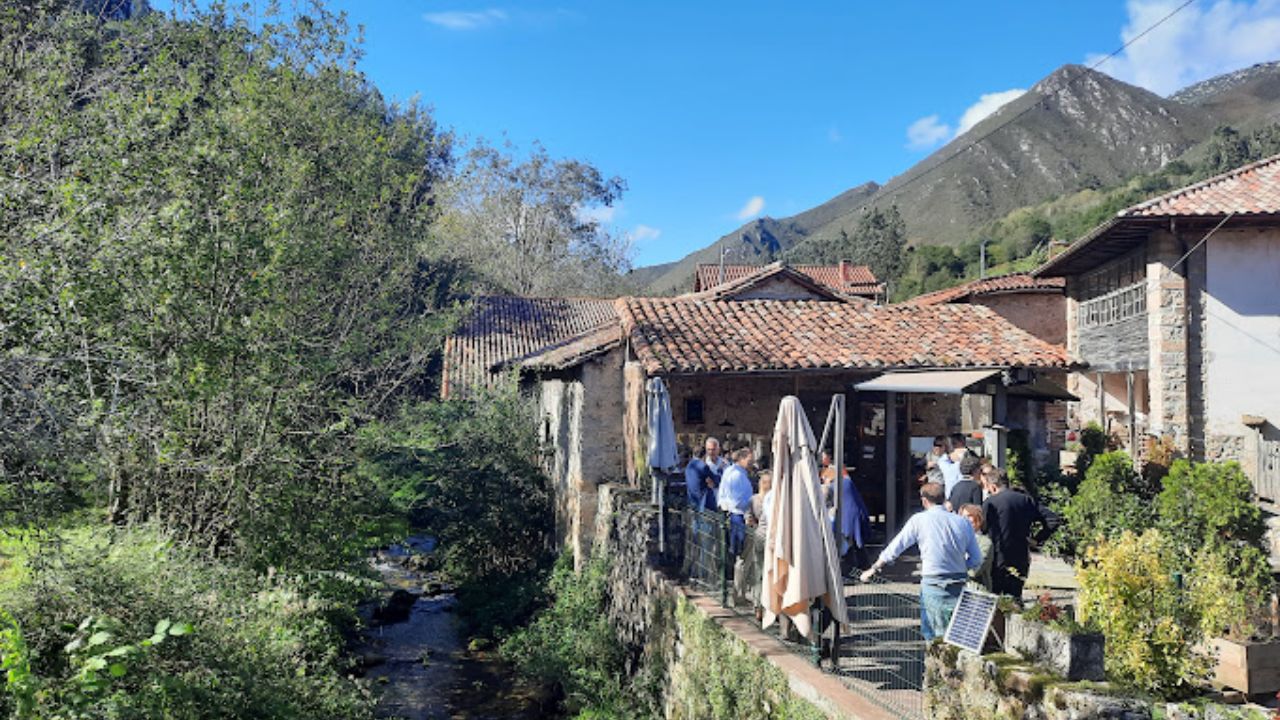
point(964, 686)
point(586, 403)
point(699, 660)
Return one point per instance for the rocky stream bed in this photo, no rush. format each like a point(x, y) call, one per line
point(419, 658)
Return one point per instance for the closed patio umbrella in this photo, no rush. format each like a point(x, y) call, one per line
point(662, 429)
point(662, 448)
point(800, 558)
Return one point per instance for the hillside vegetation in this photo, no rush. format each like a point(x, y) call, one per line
point(225, 276)
point(1075, 131)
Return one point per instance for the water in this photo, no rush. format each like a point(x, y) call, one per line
point(418, 658)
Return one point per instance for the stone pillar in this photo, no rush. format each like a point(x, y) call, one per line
point(1167, 340)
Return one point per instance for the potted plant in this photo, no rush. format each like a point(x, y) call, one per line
point(1049, 636)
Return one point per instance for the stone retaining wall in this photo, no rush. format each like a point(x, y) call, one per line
point(963, 686)
point(698, 659)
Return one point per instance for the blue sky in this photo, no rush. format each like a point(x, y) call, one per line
point(716, 112)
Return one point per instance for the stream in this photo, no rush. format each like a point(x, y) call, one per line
point(415, 650)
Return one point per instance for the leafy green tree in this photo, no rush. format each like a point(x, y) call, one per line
point(1227, 149)
point(470, 470)
point(218, 264)
point(526, 224)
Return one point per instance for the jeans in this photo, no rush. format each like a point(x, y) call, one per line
point(737, 534)
point(938, 598)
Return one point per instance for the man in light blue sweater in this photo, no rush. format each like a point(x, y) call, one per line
point(948, 550)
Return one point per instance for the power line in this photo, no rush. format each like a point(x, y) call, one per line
point(1034, 106)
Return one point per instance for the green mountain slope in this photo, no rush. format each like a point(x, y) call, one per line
point(1076, 129)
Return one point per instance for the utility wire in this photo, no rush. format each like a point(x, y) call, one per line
point(1036, 105)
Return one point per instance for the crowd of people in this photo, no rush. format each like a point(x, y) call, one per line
point(974, 530)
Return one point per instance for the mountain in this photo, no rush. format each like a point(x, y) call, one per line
point(1075, 129)
point(760, 240)
point(1243, 99)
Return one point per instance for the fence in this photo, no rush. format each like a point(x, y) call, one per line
point(880, 653)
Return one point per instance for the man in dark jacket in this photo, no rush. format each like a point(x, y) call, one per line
point(1010, 516)
point(967, 491)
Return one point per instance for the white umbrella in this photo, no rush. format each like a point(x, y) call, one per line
point(662, 448)
point(800, 559)
point(662, 430)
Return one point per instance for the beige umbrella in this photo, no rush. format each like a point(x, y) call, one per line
point(800, 560)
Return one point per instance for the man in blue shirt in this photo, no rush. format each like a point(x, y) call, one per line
point(948, 550)
point(949, 463)
point(702, 477)
point(734, 498)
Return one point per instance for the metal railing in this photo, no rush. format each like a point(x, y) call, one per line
point(880, 652)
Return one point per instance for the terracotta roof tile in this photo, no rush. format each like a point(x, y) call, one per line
point(1014, 282)
point(845, 277)
point(1250, 190)
point(500, 329)
point(687, 335)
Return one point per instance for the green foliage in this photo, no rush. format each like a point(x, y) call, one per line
point(524, 224)
point(1093, 442)
point(720, 677)
point(876, 240)
point(1018, 460)
point(1209, 504)
point(1206, 510)
point(1130, 588)
point(572, 646)
point(1112, 499)
point(18, 698)
point(217, 267)
point(96, 611)
point(469, 470)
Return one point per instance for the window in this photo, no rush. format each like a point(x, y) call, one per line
point(1114, 292)
point(693, 411)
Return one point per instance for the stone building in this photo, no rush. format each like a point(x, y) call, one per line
point(845, 277)
point(1037, 305)
point(1173, 305)
point(728, 356)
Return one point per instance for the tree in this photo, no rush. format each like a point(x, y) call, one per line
point(526, 224)
point(878, 239)
point(218, 264)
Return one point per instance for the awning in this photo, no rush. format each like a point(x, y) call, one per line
point(1041, 389)
point(947, 382)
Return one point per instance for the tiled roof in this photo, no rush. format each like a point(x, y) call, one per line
point(1016, 282)
point(739, 287)
point(500, 329)
point(574, 350)
point(1250, 190)
point(690, 335)
point(845, 277)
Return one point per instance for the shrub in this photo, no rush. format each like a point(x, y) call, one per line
point(571, 645)
point(1130, 589)
point(469, 471)
point(124, 624)
point(1206, 510)
point(1112, 499)
point(1209, 503)
point(1093, 442)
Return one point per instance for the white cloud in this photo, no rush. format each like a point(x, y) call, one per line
point(987, 104)
point(601, 214)
point(752, 208)
point(1202, 40)
point(465, 19)
point(927, 132)
point(640, 233)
